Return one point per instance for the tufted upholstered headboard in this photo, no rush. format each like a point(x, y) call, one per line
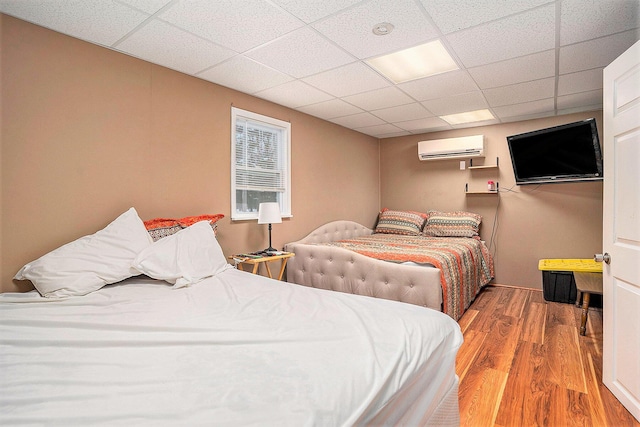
point(338, 269)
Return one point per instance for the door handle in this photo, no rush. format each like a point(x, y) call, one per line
point(606, 258)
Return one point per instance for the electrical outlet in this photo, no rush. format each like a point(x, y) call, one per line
point(463, 164)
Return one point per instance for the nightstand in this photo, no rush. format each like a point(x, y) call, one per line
point(256, 261)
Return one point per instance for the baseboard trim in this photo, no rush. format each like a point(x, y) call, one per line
point(498, 285)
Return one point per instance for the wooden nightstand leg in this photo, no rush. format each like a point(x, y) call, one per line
point(586, 296)
point(266, 264)
point(282, 266)
point(255, 268)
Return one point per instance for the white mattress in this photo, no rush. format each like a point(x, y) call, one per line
point(236, 349)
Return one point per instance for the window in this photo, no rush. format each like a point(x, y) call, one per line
point(260, 163)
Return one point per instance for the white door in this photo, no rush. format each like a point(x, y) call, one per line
point(621, 233)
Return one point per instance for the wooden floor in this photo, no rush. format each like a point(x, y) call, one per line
point(523, 363)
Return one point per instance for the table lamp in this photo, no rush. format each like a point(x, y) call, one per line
point(269, 213)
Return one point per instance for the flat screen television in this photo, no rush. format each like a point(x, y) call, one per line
point(565, 153)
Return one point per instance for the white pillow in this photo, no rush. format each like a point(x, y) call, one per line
point(184, 258)
point(91, 262)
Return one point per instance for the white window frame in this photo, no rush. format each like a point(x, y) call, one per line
point(284, 159)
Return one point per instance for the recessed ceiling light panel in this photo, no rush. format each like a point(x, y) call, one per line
point(468, 117)
point(414, 63)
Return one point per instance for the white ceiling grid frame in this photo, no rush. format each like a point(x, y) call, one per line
point(236, 25)
point(348, 80)
point(405, 112)
point(582, 81)
point(582, 20)
point(516, 70)
point(596, 53)
point(530, 110)
point(521, 92)
point(331, 109)
point(293, 94)
point(423, 125)
point(244, 74)
point(147, 6)
point(174, 48)
point(312, 10)
point(352, 28)
point(379, 99)
point(523, 34)
point(439, 86)
point(503, 40)
point(470, 101)
point(313, 53)
point(385, 129)
point(358, 120)
point(102, 22)
point(476, 12)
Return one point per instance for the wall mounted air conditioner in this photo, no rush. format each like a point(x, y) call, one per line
point(452, 148)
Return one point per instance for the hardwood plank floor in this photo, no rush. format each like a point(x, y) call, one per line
point(523, 363)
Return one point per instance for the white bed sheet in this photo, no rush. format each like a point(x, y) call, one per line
point(235, 349)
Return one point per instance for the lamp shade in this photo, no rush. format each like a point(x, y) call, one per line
point(269, 213)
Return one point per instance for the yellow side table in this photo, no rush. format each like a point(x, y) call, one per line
point(250, 260)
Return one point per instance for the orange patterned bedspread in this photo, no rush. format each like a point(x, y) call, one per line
point(465, 263)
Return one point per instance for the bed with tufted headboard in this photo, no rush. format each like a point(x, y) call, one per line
point(440, 272)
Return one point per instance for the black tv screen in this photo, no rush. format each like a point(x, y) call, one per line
point(564, 153)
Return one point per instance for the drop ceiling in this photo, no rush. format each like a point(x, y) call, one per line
point(520, 59)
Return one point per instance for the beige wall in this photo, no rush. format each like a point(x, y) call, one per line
point(534, 222)
point(88, 132)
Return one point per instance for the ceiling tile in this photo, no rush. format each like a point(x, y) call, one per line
point(593, 97)
point(429, 124)
point(301, 53)
point(380, 130)
point(525, 109)
point(312, 10)
point(439, 86)
point(517, 70)
point(511, 37)
point(454, 15)
point(476, 124)
point(379, 98)
point(237, 25)
point(330, 109)
point(583, 81)
point(103, 22)
point(348, 80)
point(148, 6)
point(582, 20)
point(456, 104)
point(394, 134)
point(358, 120)
point(595, 53)
point(521, 92)
point(294, 94)
point(171, 47)
point(352, 29)
point(242, 73)
point(403, 113)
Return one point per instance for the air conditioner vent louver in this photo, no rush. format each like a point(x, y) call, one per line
point(452, 148)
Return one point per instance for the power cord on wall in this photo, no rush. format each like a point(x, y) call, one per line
point(493, 245)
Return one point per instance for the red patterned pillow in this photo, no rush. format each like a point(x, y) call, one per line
point(452, 224)
point(408, 223)
point(163, 227)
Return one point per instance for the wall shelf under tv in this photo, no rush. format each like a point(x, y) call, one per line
point(496, 166)
point(494, 192)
